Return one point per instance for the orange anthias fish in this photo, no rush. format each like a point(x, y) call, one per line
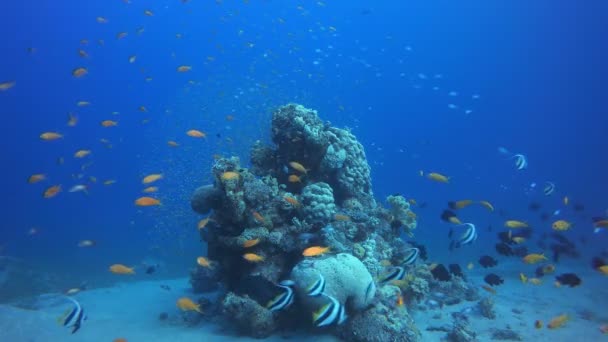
point(186, 304)
point(184, 68)
point(109, 123)
point(604, 329)
point(251, 243)
point(298, 167)
point(150, 189)
point(258, 217)
point(437, 177)
point(252, 257)
point(558, 322)
point(52, 191)
point(341, 217)
point(516, 224)
point(315, 251)
point(79, 72)
point(82, 153)
point(292, 201)
point(172, 143)
point(534, 258)
point(230, 175)
point(35, 178)
point(196, 133)
point(152, 178)
point(204, 262)
point(399, 301)
point(49, 136)
point(121, 269)
point(294, 179)
point(146, 201)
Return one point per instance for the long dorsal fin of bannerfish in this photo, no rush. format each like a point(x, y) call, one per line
point(412, 256)
point(317, 287)
point(520, 161)
point(282, 300)
point(332, 316)
point(469, 235)
point(395, 273)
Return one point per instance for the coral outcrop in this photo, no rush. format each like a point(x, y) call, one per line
point(312, 187)
point(346, 279)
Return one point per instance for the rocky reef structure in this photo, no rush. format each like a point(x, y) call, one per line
point(311, 191)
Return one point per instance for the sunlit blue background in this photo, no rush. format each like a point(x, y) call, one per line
point(389, 70)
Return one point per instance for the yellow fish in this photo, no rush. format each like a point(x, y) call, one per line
point(152, 178)
point(252, 257)
point(186, 304)
point(535, 281)
point(603, 270)
point(437, 177)
point(146, 202)
point(523, 278)
point(121, 269)
point(558, 321)
point(204, 262)
point(460, 204)
point(487, 205)
point(230, 175)
point(315, 251)
point(196, 133)
point(298, 167)
point(518, 239)
point(35, 178)
point(150, 189)
point(251, 243)
point(561, 225)
point(534, 258)
point(82, 153)
point(516, 224)
point(48, 136)
point(202, 223)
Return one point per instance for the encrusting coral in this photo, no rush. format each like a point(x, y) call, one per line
point(312, 188)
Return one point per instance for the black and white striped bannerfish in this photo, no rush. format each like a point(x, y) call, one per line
point(468, 237)
point(549, 188)
point(317, 287)
point(283, 300)
point(395, 273)
point(411, 256)
point(75, 317)
point(332, 312)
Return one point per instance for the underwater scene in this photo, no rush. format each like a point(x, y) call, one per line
point(277, 170)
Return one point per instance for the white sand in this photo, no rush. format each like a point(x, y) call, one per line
point(131, 310)
point(128, 310)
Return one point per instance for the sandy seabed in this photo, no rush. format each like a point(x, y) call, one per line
point(131, 310)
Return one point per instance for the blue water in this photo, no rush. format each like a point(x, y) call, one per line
point(526, 76)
